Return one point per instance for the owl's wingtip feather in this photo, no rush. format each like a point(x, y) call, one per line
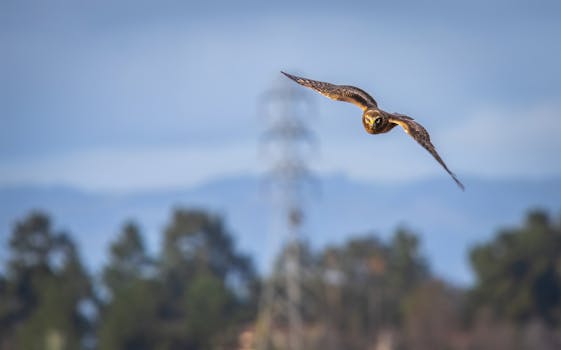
point(290, 76)
point(459, 183)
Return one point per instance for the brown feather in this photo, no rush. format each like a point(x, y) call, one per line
point(420, 134)
point(344, 93)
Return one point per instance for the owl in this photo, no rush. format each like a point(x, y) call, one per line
point(374, 119)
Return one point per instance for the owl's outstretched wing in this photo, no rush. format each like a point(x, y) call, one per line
point(420, 134)
point(345, 93)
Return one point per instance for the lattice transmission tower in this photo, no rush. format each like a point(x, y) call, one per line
point(288, 146)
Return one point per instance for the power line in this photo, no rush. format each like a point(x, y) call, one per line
point(288, 143)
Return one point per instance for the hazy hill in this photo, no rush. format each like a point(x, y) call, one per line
point(448, 220)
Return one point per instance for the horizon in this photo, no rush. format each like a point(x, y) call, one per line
point(152, 208)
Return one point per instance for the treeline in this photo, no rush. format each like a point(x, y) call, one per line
point(199, 292)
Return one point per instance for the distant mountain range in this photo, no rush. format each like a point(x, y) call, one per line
point(448, 221)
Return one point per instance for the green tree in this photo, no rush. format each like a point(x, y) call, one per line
point(129, 260)
point(193, 295)
point(198, 242)
point(7, 303)
point(365, 284)
point(129, 320)
point(518, 273)
point(407, 267)
point(431, 316)
point(200, 266)
point(207, 303)
point(46, 286)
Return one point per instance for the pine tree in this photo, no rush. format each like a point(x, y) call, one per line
point(47, 287)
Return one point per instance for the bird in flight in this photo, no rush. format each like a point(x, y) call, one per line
point(374, 119)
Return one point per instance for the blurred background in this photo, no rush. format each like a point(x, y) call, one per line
point(153, 197)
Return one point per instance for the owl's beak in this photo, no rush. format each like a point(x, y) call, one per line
point(369, 120)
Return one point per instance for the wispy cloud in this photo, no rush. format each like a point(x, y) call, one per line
point(131, 169)
point(509, 141)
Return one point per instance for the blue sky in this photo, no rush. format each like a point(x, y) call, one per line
point(138, 95)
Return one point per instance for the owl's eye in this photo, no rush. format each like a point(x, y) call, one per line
point(378, 121)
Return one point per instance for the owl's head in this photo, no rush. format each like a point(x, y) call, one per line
point(374, 121)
